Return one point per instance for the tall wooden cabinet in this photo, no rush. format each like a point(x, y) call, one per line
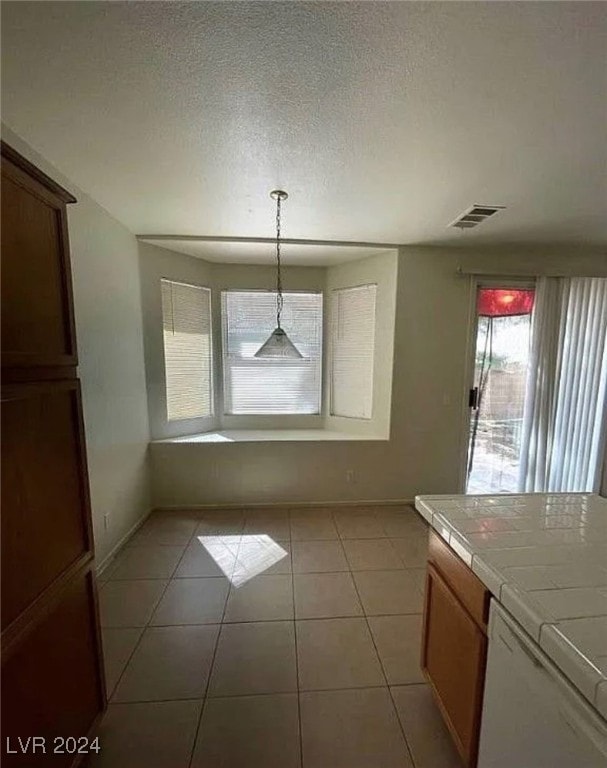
point(52, 669)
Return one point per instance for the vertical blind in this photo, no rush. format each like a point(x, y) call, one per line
point(564, 422)
point(353, 351)
point(186, 321)
point(582, 378)
point(261, 386)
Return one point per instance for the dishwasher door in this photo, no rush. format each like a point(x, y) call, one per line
point(532, 716)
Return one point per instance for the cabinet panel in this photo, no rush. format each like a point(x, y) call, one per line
point(52, 676)
point(453, 658)
point(37, 320)
point(44, 490)
point(467, 586)
point(51, 684)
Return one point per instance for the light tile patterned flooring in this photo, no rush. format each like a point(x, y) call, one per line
point(269, 638)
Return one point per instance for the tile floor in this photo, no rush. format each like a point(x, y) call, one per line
point(269, 638)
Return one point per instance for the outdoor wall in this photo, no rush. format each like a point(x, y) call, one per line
point(111, 366)
point(428, 434)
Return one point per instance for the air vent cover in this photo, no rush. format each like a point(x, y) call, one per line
point(475, 215)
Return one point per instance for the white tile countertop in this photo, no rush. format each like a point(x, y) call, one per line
point(544, 557)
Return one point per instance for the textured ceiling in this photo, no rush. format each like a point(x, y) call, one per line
point(305, 255)
point(383, 121)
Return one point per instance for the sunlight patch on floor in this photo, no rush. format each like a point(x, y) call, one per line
point(241, 558)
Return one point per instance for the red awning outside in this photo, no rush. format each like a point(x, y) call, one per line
point(504, 302)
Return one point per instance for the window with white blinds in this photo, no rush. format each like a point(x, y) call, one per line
point(186, 321)
point(353, 351)
point(278, 386)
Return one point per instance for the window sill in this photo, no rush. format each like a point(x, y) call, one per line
point(268, 435)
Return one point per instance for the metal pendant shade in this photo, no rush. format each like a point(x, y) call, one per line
point(278, 345)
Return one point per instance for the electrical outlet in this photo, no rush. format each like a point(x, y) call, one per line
point(106, 521)
point(349, 475)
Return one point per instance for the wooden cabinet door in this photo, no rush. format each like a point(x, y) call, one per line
point(51, 684)
point(37, 312)
point(454, 652)
point(45, 522)
point(52, 669)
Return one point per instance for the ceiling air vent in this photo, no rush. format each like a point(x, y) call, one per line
point(475, 215)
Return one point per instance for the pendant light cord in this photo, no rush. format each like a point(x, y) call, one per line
point(279, 299)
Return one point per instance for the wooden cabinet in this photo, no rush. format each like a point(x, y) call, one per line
point(52, 672)
point(454, 646)
point(49, 684)
point(37, 307)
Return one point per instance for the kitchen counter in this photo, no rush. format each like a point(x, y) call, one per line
point(544, 558)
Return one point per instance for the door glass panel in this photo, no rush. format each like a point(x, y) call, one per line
point(498, 395)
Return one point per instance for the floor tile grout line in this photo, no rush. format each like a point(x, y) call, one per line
point(208, 698)
point(216, 577)
point(370, 632)
point(295, 573)
point(377, 653)
point(144, 628)
point(402, 727)
point(147, 626)
point(151, 616)
point(219, 622)
point(110, 696)
point(301, 757)
point(222, 623)
point(395, 708)
point(398, 555)
point(306, 690)
point(212, 664)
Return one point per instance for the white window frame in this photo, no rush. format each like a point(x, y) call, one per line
point(224, 345)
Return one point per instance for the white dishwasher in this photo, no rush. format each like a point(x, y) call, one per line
point(532, 716)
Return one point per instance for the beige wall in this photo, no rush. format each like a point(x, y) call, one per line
point(423, 453)
point(251, 277)
point(566, 260)
point(154, 264)
point(110, 351)
point(381, 270)
point(428, 434)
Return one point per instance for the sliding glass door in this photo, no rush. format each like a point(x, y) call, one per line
point(497, 396)
point(538, 400)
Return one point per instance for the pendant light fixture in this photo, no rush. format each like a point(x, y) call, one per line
point(278, 345)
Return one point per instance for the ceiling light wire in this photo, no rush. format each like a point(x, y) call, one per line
point(278, 344)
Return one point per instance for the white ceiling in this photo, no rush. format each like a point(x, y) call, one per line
point(301, 254)
point(383, 121)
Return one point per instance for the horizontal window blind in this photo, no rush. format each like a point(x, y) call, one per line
point(258, 386)
point(186, 320)
point(353, 351)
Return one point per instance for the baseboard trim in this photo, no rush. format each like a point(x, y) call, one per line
point(281, 504)
point(100, 567)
